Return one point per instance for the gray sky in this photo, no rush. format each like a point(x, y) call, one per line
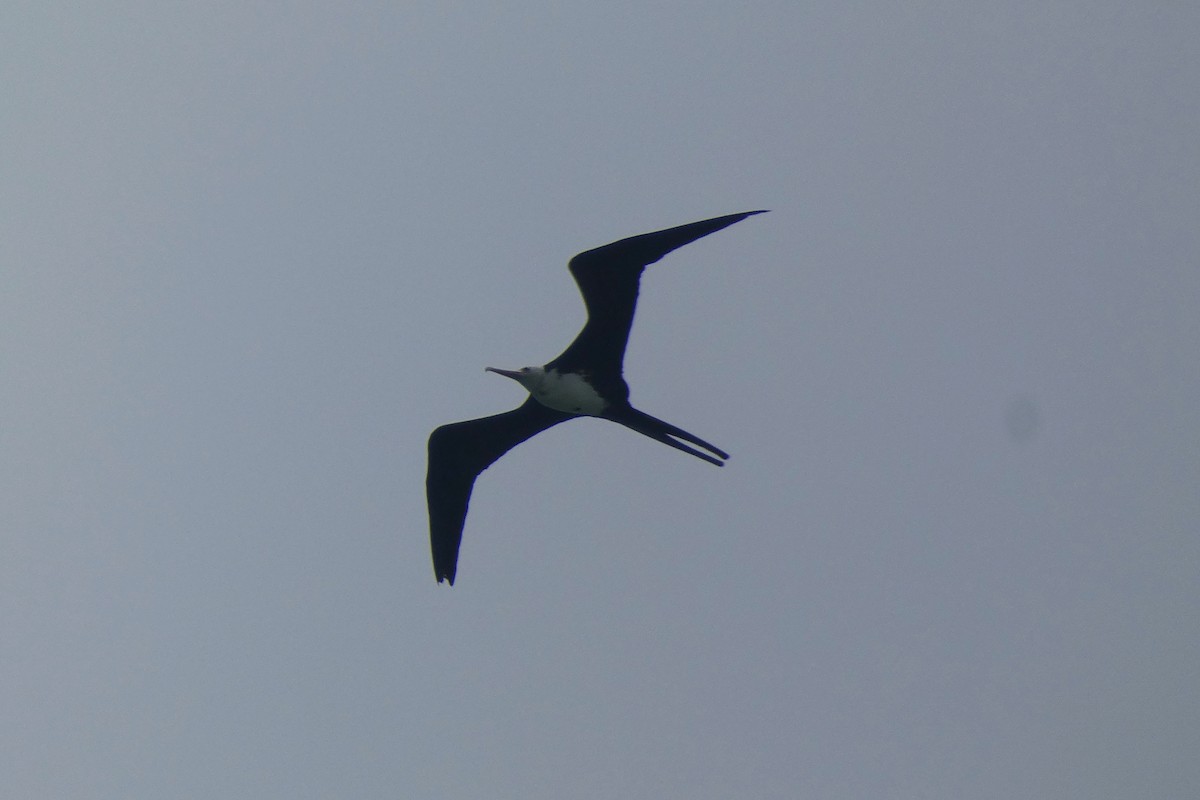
point(255, 253)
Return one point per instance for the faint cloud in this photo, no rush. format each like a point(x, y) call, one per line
point(1021, 418)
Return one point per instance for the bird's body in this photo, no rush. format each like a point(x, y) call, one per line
point(562, 391)
point(585, 380)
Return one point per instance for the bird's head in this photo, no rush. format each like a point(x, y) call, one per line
point(529, 377)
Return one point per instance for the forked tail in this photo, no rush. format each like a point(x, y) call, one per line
point(666, 433)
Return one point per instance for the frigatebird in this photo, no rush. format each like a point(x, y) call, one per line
point(585, 380)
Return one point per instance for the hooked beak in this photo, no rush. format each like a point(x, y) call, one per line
point(508, 373)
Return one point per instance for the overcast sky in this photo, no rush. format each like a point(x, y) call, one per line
point(254, 253)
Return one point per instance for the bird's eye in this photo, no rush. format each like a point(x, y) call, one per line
point(524, 369)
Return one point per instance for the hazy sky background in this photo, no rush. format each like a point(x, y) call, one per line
point(254, 253)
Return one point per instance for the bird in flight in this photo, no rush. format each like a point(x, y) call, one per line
point(584, 381)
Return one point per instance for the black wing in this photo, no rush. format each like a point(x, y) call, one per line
point(457, 454)
point(608, 280)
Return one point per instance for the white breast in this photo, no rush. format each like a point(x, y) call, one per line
point(568, 392)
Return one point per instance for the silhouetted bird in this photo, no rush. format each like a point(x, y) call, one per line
point(584, 381)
